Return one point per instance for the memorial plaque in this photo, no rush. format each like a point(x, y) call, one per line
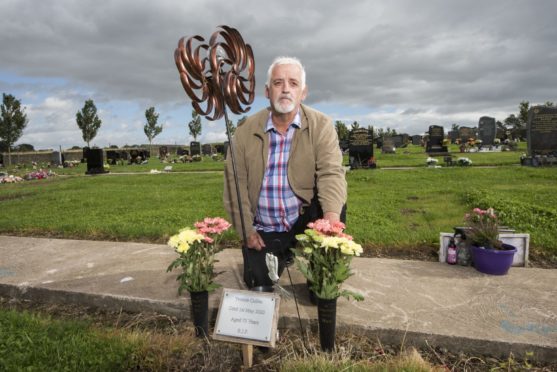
point(542, 131)
point(436, 136)
point(360, 149)
point(195, 148)
point(247, 317)
point(487, 129)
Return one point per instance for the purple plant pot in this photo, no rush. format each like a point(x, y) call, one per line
point(493, 261)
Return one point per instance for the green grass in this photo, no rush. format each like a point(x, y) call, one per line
point(33, 341)
point(36, 343)
point(386, 208)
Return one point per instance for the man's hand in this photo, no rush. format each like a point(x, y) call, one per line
point(332, 217)
point(255, 242)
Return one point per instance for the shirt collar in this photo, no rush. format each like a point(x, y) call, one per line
point(297, 122)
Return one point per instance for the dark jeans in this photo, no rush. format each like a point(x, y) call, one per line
point(279, 244)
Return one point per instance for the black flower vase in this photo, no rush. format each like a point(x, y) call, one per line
point(200, 310)
point(327, 315)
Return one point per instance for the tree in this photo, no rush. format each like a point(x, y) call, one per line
point(12, 122)
point(355, 125)
point(88, 121)
point(151, 129)
point(548, 103)
point(195, 125)
point(342, 131)
point(523, 108)
point(230, 127)
point(25, 147)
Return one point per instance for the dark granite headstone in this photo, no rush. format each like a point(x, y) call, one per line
point(542, 131)
point(487, 129)
point(195, 148)
point(466, 133)
point(436, 135)
point(95, 162)
point(417, 140)
point(181, 151)
point(360, 149)
point(207, 149)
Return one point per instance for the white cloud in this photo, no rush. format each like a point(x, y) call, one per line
point(398, 63)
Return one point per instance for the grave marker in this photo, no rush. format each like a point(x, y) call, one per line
point(360, 149)
point(487, 130)
point(541, 131)
point(195, 148)
point(435, 141)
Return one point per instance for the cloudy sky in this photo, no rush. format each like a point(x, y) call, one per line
point(398, 64)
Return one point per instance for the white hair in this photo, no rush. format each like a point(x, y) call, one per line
point(286, 61)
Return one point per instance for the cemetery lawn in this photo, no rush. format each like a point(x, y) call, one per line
point(391, 212)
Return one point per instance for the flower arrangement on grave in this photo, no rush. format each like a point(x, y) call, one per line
point(196, 250)
point(483, 228)
point(464, 162)
point(489, 254)
point(431, 161)
point(323, 255)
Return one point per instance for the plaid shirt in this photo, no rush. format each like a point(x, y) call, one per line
point(278, 208)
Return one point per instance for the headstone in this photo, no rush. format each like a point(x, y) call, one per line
point(466, 133)
point(453, 135)
point(487, 129)
point(388, 146)
point(56, 159)
point(397, 141)
point(95, 162)
point(417, 140)
point(435, 143)
point(226, 144)
point(541, 131)
point(163, 151)
point(360, 149)
point(195, 148)
point(219, 148)
point(112, 157)
point(181, 151)
point(207, 149)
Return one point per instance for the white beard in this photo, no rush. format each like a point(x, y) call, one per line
point(284, 108)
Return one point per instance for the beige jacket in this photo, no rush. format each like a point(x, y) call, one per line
point(315, 160)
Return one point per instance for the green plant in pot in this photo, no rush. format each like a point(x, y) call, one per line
point(196, 250)
point(490, 255)
point(323, 255)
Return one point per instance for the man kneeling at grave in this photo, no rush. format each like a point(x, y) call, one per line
point(289, 170)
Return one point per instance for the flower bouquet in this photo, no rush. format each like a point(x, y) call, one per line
point(323, 256)
point(483, 228)
point(196, 257)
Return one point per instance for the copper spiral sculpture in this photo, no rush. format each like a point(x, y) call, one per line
point(220, 73)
